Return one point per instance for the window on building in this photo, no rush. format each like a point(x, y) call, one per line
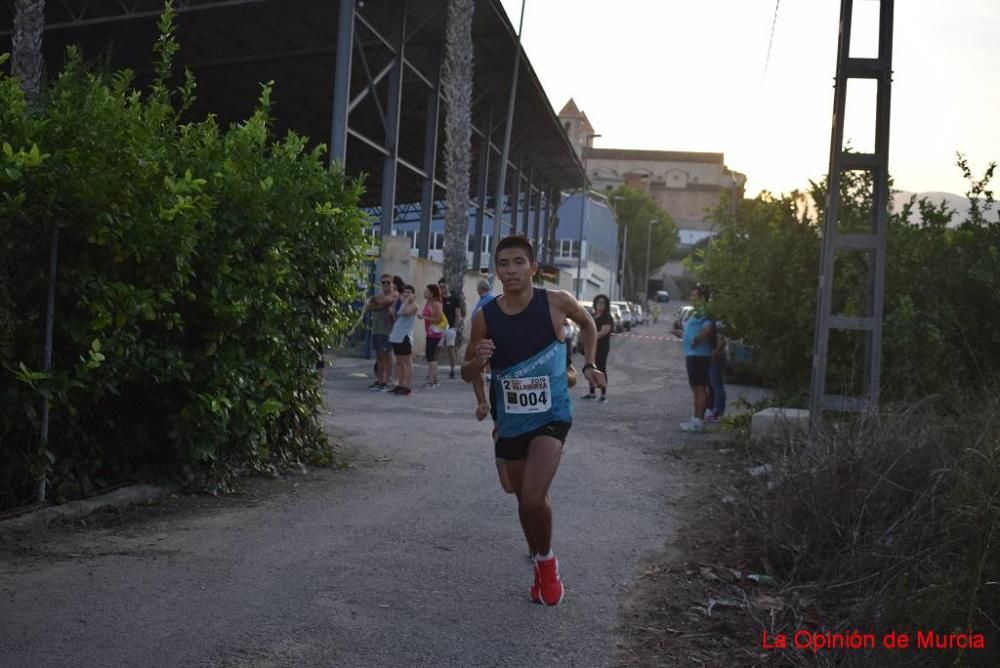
point(437, 241)
point(567, 248)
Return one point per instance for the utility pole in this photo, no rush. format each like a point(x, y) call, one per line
point(649, 244)
point(872, 243)
point(622, 294)
point(584, 202)
point(505, 153)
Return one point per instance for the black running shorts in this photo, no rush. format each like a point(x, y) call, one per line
point(404, 348)
point(514, 448)
point(697, 367)
point(431, 347)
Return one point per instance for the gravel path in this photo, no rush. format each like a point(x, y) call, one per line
point(412, 556)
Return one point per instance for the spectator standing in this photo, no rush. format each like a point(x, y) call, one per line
point(401, 338)
point(397, 285)
point(485, 296)
point(452, 306)
point(717, 375)
point(605, 325)
point(381, 307)
point(435, 326)
point(697, 344)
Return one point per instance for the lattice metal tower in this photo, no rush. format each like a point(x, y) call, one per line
point(871, 242)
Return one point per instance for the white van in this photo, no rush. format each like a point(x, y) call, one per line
point(626, 314)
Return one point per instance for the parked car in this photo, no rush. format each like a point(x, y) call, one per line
point(662, 296)
point(739, 364)
point(626, 314)
point(573, 339)
point(616, 315)
point(638, 315)
point(680, 317)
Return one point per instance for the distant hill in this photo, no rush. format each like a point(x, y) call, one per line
point(957, 203)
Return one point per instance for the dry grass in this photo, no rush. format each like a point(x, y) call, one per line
point(887, 525)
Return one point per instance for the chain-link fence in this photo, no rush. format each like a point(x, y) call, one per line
point(59, 438)
point(356, 342)
point(25, 256)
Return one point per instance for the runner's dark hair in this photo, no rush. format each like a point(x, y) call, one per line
point(410, 288)
point(435, 291)
point(517, 241)
point(398, 282)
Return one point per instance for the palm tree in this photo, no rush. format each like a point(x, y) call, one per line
point(27, 62)
point(456, 86)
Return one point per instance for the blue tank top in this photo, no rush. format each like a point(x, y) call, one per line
point(528, 366)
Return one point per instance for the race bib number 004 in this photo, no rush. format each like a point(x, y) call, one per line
point(526, 395)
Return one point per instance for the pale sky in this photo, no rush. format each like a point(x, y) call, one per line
point(689, 75)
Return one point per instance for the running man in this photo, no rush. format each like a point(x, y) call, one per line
point(519, 334)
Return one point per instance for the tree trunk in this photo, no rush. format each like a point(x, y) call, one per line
point(26, 42)
point(456, 86)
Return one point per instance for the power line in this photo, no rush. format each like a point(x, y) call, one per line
point(770, 41)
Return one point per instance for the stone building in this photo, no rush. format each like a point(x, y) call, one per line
point(685, 184)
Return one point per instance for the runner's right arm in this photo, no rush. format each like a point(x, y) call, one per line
point(477, 356)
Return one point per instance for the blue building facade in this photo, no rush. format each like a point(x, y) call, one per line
point(588, 246)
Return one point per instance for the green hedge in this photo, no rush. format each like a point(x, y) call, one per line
point(201, 269)
point(942, 304)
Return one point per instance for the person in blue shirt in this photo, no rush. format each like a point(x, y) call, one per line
point(697, 343)
point(485, 296)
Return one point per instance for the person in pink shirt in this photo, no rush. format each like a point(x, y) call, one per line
point(431, 315)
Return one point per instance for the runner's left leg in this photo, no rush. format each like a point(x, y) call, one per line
point(531, 484)
point(535, 509)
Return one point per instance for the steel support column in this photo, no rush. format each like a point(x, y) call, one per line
point(526, 215)
point(515, 192)
point(482, 188)
point(342, 81)
point(391, 162)
point(430, 167)
point(551, 217)
point(536, 218)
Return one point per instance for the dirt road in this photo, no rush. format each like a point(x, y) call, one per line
point(412, 556)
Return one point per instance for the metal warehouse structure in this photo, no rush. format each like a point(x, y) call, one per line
point(359, 76)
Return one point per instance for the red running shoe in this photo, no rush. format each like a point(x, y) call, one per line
point(550, 587)
point(536, 586)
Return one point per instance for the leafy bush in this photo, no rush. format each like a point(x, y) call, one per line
point(941, 302)
point(762, 270)
point(201, 269)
